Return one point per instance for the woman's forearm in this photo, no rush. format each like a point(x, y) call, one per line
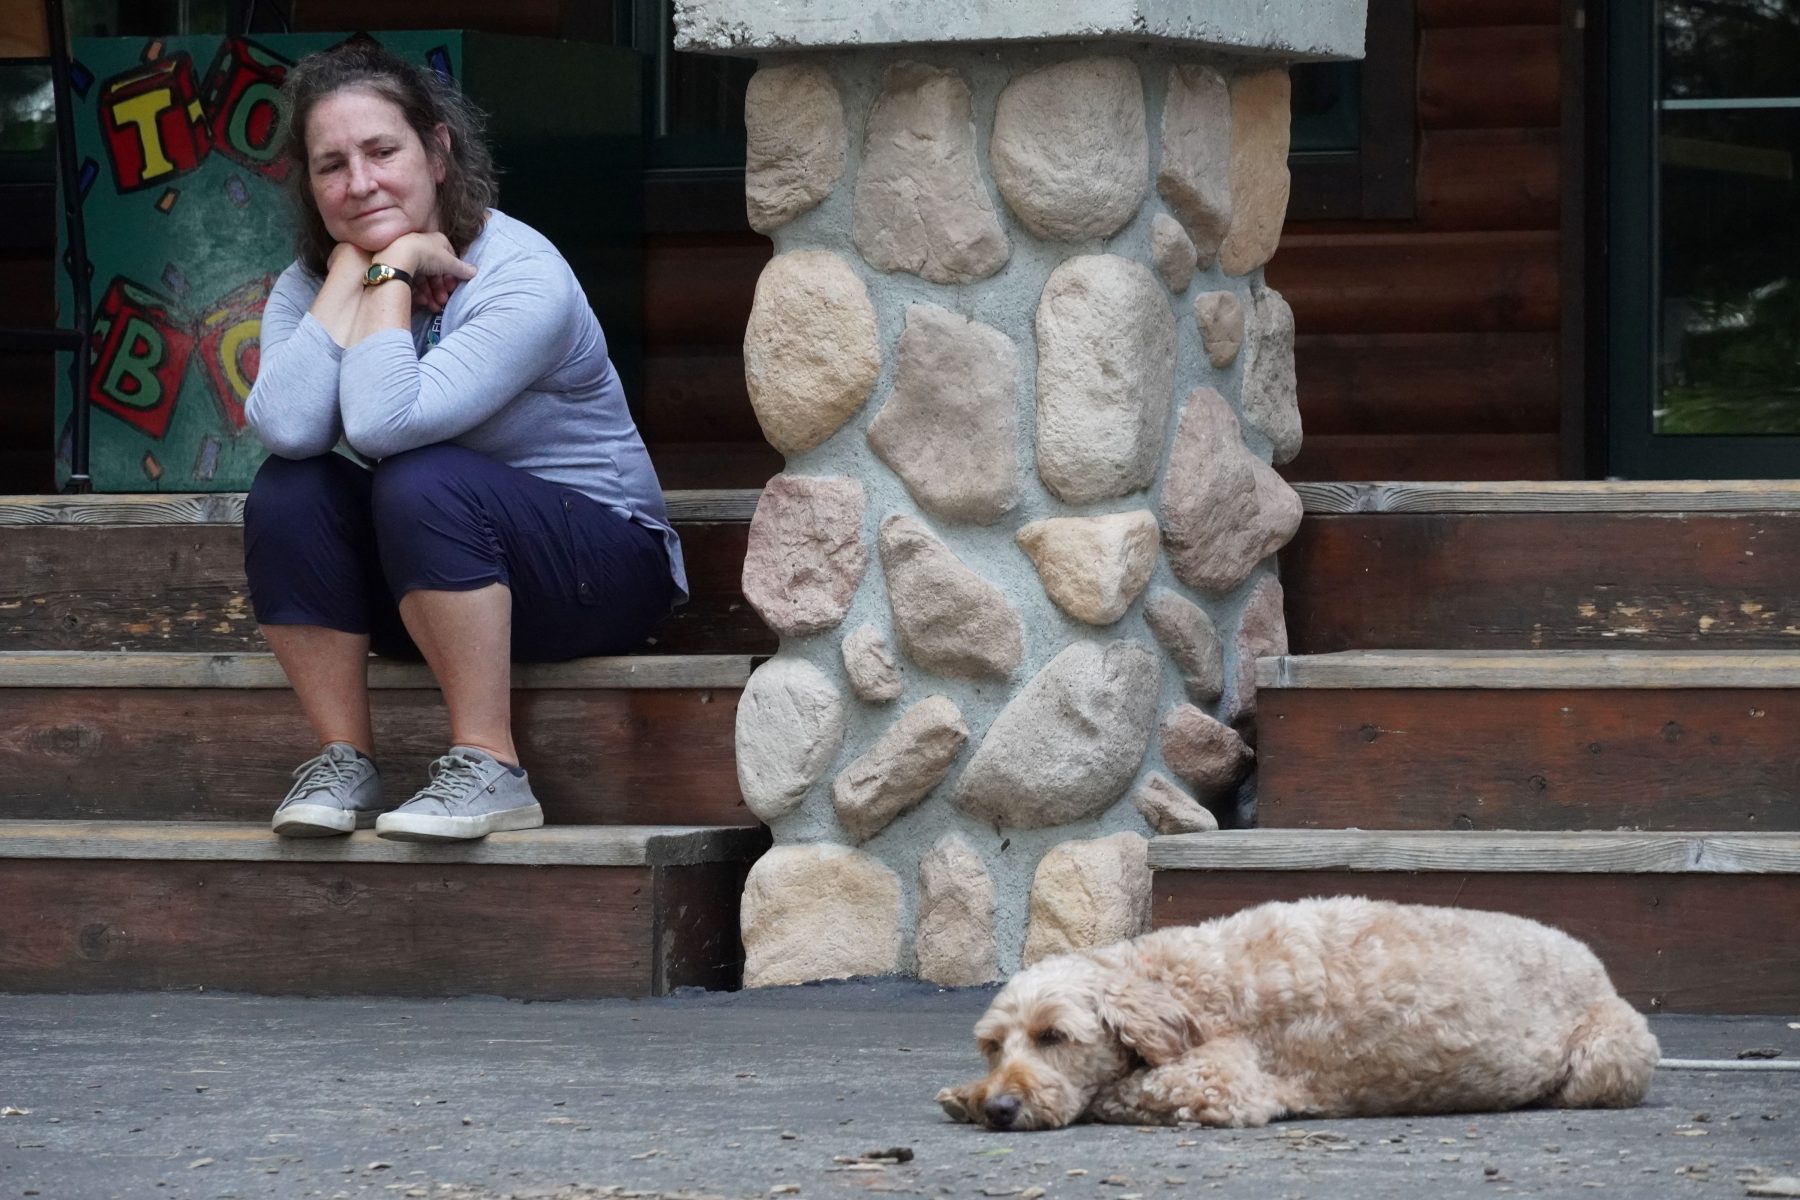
point(340, 298)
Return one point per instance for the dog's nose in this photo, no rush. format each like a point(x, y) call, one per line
point(1001, 1110)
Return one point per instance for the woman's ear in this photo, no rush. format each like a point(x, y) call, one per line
point(1148, 1017)
point(440, 161)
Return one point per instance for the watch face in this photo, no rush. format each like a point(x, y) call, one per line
point(376, 273)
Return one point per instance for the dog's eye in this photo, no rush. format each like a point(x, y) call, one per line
point(987, 1048)
point(1049, 1037)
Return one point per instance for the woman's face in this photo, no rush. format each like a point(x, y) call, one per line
point(370, 174)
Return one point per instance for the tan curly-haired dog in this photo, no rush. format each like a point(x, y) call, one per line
point(1329, 1008)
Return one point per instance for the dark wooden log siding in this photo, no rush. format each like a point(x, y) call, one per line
point(1429, 348)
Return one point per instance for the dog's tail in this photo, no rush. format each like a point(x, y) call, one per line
point(1611, 1057)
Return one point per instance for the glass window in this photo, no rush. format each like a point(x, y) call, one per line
point(1728, 288)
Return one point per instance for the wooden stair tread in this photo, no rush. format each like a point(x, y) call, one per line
point(1502, 852)
point(551, 846)
point(166, 669)
point(1539, 496)
point(1525, 669)
point(227, 508)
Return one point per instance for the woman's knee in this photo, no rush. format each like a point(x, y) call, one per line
point(427, 484)
point(297, 494)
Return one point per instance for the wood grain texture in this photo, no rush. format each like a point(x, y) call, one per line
point(550, 846)
point(1427, 383)
point(1538, 496)
point(1511, 852)
point(1489, 179)
point(227, 508)
point(1404, 456)
point(1672, 943)
point(1452, 14)
point(70, 585)
point(1455, 759)
point(1633, 580)
point(595, 757)
point(1490, 77)
point(698, 289)
point(537, 933)
point(1533, 669)
point(1419, 282)
point(101, 669)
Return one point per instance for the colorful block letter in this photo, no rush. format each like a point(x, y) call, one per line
point(141, 349)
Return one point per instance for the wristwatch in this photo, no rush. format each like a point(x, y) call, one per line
point(380, 273)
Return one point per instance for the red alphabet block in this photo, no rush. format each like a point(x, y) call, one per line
point(242, 93)
point(230, 345)
point(140, 348)
point(153, 123)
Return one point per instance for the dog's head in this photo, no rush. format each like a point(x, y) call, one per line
point(1060, 1032)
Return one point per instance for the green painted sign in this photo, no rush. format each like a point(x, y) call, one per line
point(187, 228)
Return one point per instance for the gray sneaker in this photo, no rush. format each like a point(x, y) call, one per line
point(334, 793)
point(471, 794)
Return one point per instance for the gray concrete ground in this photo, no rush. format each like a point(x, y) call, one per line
point(750, 1095)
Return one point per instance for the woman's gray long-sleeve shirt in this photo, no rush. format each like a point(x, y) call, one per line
point(520, 373)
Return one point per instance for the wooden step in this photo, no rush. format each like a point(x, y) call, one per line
point(1684, 923)
point(1550, 740)
point(166, 572)
point(1539, 566)
point(552, 913)
point(212, 737)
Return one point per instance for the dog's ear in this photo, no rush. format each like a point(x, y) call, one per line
point(1148, 1017)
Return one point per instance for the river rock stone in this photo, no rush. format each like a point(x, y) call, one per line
point(950, 620)
point(1087, 894)
point(1271, 402)
point(1208, 754)
point(1221, 319)
point(1189, 637)
point(1068, 744)
point(1194, 176)
point(1093, 567)
point(956, 946)
point(920, 203)
point(811, 354)
point(790, 725)
point(794, 143)
point(818, 912)
point(1169, 809)
point(1261, 633)
point(874, 675)
point(1223, 509)
point(1070, 153)
point(950, 427)
point(1260, 123)
point(1106, 369)
point(1172, 250)
point(805, 555)
point(903, 765)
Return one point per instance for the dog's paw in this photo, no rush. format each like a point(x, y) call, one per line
point(955, 1102)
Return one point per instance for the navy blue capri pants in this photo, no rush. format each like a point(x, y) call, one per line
point(327, 542)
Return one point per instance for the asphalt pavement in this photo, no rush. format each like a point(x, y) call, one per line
point(817, 1091)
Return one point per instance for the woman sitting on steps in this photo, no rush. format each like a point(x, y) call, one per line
point(511, 512)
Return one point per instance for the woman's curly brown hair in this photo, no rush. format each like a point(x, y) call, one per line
point(427, 99)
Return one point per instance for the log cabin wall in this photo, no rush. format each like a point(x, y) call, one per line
point(1429, 348)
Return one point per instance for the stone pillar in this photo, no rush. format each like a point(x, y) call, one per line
point(1016, 347)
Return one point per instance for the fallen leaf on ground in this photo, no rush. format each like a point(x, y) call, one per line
point(200, 1162)
point(1760, 1052)
point(10, 1111)
point(1783, 1185)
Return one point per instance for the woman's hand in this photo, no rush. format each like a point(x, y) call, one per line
point(433, 264)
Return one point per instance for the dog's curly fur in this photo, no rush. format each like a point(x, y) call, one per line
point(1333, 1007)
